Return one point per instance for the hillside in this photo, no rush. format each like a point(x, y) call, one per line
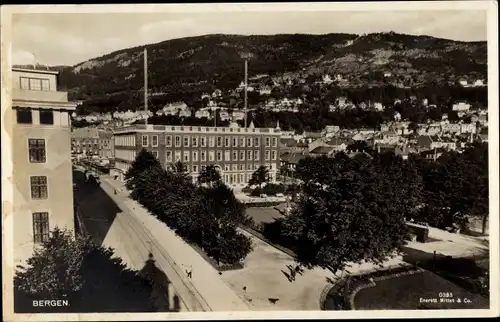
point(183, 67)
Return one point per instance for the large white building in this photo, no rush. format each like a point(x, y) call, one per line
point(41, 152)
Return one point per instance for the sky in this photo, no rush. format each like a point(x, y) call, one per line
point(72, 38)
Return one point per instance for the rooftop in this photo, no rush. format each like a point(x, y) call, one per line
point(181, 128)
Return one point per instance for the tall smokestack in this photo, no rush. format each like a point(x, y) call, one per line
point(146, 84)
point(246, 95)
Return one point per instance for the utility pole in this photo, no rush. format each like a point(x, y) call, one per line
point(246, 95)
point(146, 85)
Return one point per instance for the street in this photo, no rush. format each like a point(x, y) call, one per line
point(97, 210)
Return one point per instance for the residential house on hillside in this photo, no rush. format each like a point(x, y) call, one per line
point(224, 115)
point(439, 142)
point(265, 90)
point(326, 79)
point(389, 137)
point(238, 115)
point(450, 128)
point(378, 106)
point(185, 113)
point(203, 113)
point(424, 143)
point(330, 130)
point(433, 154)
point(479, 83)
point(311, 136)
point(461, 106)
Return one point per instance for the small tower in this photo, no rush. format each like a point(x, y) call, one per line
point(278, 125)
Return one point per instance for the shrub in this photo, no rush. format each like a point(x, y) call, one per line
point(256, 192)
point(272, 189)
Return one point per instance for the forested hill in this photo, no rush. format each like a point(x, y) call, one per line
point(203, 63)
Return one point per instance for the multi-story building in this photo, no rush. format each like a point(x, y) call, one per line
point(236, 152)
point(85, 142)
point(106, 141)
point(41, 151)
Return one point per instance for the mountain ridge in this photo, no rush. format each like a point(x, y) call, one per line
point(192, 65)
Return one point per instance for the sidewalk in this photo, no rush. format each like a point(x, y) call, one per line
point(170, 248)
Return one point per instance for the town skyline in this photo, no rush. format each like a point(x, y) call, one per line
point(83, 36)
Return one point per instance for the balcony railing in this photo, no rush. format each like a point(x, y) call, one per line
point(44, 96)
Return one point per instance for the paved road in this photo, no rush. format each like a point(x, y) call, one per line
point(97, 210)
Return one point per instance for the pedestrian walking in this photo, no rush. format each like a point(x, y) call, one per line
point(292, 275)
point(189, 271)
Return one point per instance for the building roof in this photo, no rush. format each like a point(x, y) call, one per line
point(336, 141)
point(322, 150)
point(293, 158)
point(288, 142)
point(88, 132)
point(424, 141)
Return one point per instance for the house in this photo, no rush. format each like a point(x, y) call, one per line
point(289, 160)
point(322, 150)
point(451, 128)
point(461, 106)
point(468, 128)
point(378, 106)
point(479, 83)
point(266, 90)
point(327, 79)
point(238, 115)
point(217, 93)
point(397, 116)
point(338, 143)
point(424, 142)
point(330, 130)
point(203, 113)
point(387, 74)
point(224, 115)
point(433, 154)
point(185, 113)
point(389, 137)
point(463, 82)
point(442, 143)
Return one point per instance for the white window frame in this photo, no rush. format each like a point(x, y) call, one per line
point(267, 155)
point(211, 156)
point(242, 155)
point(274, 155)
point(242, 142)
point(203, 156)
point(256, 155)
point(185, 140)
point(185, 156)
point(227, 155)
point(168, 141)
point(268, 142)
point(219, 152)
point(235, 141)
point(250, 155)
point(147, 140)
point(177, 142)
point(194, 156)
point(203, 141)
point(194, 141)
point(167, 159)
point(153, 140)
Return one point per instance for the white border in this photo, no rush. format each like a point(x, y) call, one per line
point(7, 190)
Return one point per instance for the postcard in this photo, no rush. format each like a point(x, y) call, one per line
point(262, 161)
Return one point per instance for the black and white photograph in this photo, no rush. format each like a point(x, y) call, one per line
point(291, 160)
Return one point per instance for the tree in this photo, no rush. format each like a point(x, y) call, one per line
point(209, 175)
point(77, 270)
point(259, 177)
point(413, 127)
point(354, 214)
point(143, 161)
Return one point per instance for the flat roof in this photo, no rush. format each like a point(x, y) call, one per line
point(38, 71)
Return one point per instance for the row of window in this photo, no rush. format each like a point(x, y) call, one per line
point(232, 167)
point(129, 155)
point(34, 84)
point(25, 116)
point(125, 140)
point(210, 141)
point(241, 178)
point(192, 156)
